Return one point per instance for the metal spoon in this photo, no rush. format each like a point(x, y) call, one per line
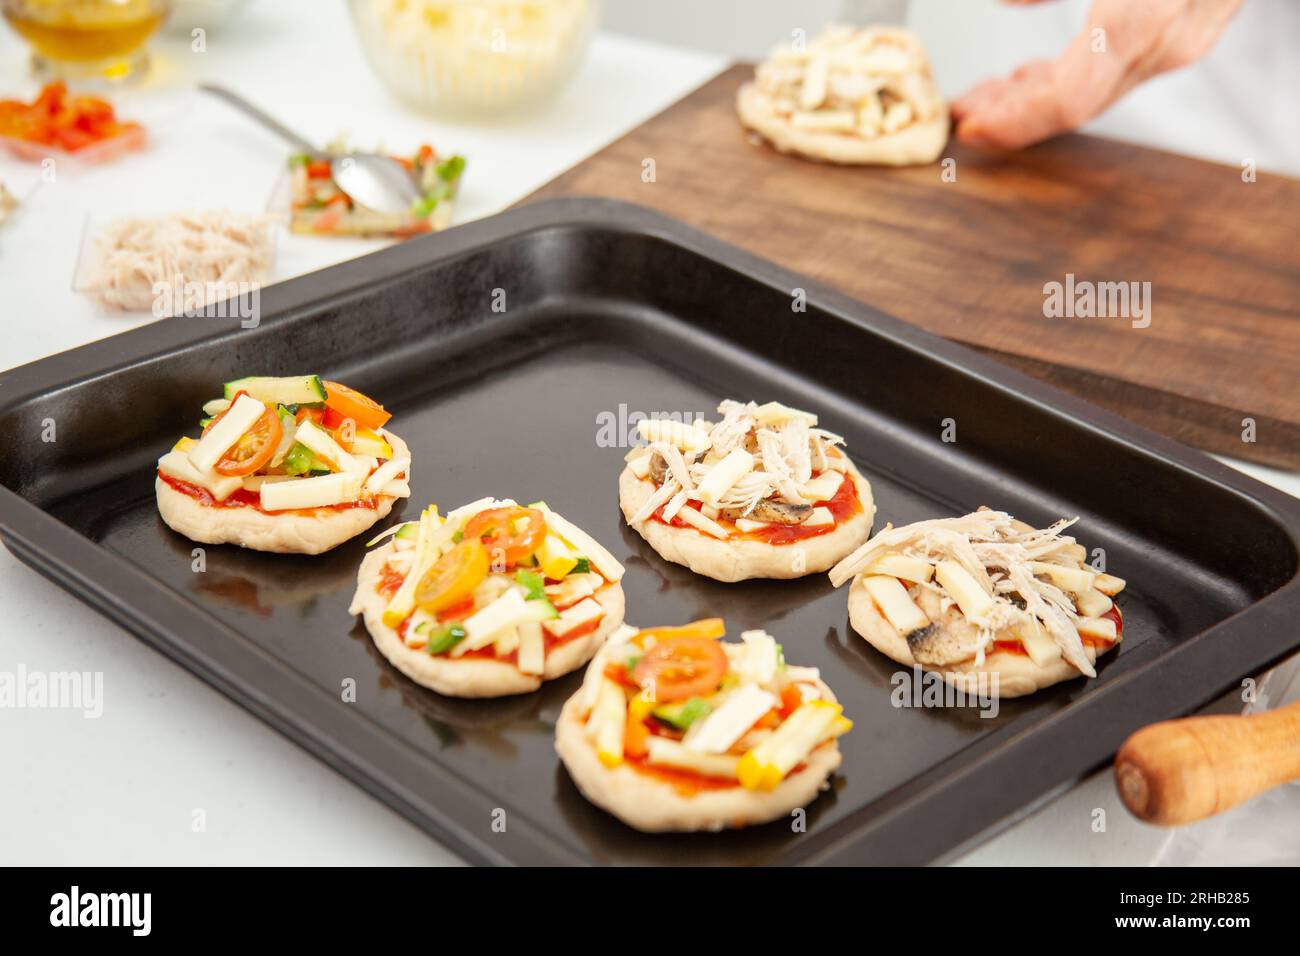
point(375, 181)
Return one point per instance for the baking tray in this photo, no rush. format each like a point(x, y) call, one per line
point(610, 306)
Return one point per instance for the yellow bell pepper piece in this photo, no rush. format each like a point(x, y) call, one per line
point(555, 557)
point(764, 767)
point(607, 723)
point(369, 442)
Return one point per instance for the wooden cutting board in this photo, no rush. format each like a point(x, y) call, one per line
point(969, 259)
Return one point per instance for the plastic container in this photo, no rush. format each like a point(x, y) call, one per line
point(137, 292)
point(474, 58)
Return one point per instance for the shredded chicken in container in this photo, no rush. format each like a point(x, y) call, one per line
point(210, 254)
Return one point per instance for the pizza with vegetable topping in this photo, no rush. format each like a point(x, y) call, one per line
point(492, 599)
point(294, 464)
point(990, 603)
point(762, 493)
point(674, 729)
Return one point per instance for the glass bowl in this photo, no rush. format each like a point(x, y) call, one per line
point(87, 40)
point(474, 58)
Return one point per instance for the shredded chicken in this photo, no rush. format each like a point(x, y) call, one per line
point(785, 456)
point(871, 81)
point(998, 552)
point(209, 253)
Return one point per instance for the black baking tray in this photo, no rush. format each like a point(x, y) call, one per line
point(503, 347)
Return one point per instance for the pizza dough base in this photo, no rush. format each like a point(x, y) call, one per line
point(473, 676)
point(746, 558)
point(1017, 674)
point(919, 143)
point(290, 532)
point(654, 806)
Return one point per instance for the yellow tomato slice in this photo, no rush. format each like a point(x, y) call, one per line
point(453, 577)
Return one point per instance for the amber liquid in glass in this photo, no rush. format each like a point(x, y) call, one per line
point(71, 40)
point(86, 37)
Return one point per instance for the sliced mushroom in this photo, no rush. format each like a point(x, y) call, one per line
point(937, 645)
point(774, 512)
point(658, 468)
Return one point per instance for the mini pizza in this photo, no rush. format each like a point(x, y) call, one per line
point(986, 601)
point(763, 493)
point(491, 600)
point(674, 729)
point(854, 96)
point(294, 465)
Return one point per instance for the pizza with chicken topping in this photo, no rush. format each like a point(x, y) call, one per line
point(853, 96)
point(762, 493)
point(983, 599)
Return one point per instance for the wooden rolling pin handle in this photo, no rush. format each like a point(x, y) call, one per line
point(1180, 771)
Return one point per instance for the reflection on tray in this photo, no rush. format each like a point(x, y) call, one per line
point(259, 582)
point(456, 721)
point(608, 839)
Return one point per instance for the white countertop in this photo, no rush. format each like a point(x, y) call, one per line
point(125, 788)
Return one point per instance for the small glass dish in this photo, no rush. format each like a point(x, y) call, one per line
point(309, 203)
point(97, 41)
point(150, 118)
point(102, 152)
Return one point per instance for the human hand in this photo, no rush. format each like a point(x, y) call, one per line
point(1124, 44)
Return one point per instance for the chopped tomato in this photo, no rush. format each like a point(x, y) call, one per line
point(254, 448)
point(69, 122)
point(453, 577)
point(634, 738)
point(620, 675)
point(318, 169)
point(344, 431)
point(343, 428)
point(327, 219)
point(678, 668)
point(316, 415)
point(457, 612)
point(510, 534)
point(413, 229)
point(790, 699)
point(349, 403)
point(390, 581)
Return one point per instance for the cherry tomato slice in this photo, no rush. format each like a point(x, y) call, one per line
point(510, 534)
point(349, 403)
point(453, 577)
point(678, 668)
point(254, 448)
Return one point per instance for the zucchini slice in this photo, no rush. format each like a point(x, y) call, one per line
point(293, 390)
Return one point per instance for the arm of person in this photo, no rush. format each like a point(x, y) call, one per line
point(1124, 44)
